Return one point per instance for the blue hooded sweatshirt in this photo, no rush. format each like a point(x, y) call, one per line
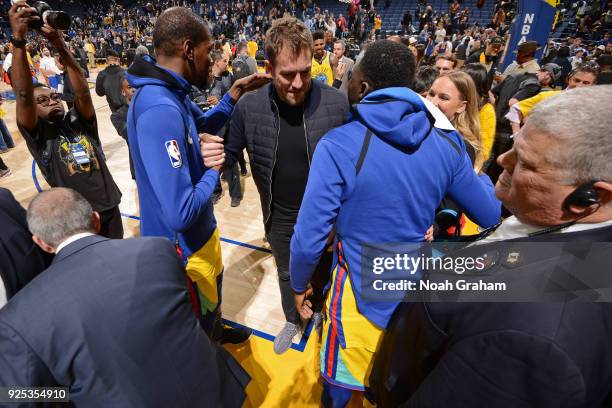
point(174, 186)
point(408, 169)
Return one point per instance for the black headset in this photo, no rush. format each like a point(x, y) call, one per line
point(583, 196)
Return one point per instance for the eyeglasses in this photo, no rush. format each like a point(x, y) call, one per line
point(45, 100)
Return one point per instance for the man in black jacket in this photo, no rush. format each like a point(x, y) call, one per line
point(20, 259)
point(513, 89)
point(119, 117)
point(557, 181)
point(280, 125)
point(108, 82)
point(222, 81)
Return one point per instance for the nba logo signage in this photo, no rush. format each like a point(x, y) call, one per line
point(524, 27)
point(174, 153)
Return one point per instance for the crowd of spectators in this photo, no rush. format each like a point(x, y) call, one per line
point(488, 152)
point(437, 37)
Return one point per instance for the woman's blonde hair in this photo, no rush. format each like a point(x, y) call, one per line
point(467, 122)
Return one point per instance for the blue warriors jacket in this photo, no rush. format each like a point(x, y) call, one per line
point(415, 158)
point(174, 186)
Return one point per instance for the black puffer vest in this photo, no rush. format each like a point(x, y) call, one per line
point(325, 109)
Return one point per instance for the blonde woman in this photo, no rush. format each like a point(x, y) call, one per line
point(456, 96)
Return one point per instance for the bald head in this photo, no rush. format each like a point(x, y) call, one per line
point(175, 26)
point(57, 214)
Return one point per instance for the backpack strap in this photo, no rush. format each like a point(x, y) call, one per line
point(364, 151)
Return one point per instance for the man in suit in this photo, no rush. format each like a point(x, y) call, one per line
point(557, 181)
point(348, 64)
point(110, 319)
point(20, 259)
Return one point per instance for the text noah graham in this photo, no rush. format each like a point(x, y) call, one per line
point(427, 285)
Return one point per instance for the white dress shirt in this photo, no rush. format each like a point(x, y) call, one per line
point(512, 228)
point(2, 294)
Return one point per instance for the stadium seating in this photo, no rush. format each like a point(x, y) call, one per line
point(392, 15)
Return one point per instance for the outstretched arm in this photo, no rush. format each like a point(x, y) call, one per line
point(82, 96)
point(475, 194)
point(20, 16)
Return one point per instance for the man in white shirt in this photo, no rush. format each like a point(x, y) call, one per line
point(440, 34)
point(49, 69)
point(47, 64)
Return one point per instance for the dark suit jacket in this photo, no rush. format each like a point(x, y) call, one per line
point(20, 259)
point(112, 320)
point(499, 354)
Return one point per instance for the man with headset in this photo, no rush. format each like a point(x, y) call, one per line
point(557, 181)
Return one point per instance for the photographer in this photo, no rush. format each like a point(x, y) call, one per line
point(65, 145)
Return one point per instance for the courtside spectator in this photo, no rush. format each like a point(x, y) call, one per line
point(108, 82)
point(60, 328)
point(21, 260)
point(525, 61)
point(584, 75)
point(557, 181)
point(424, 79)
point(339, 50)
point(446, 64)
point(119, 117)
point(456, 96)
point(605, 64)
point(478, 73)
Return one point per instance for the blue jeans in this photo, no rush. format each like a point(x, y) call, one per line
point(6, 140)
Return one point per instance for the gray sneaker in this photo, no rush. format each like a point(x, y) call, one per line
point(284, 338)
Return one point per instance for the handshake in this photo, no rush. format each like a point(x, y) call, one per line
point(212, 150)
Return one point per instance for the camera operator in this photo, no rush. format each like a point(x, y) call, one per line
point(65, 145)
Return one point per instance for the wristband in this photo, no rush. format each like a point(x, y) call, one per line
point(18, 43)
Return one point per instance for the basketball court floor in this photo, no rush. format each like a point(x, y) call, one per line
point(251, 296)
